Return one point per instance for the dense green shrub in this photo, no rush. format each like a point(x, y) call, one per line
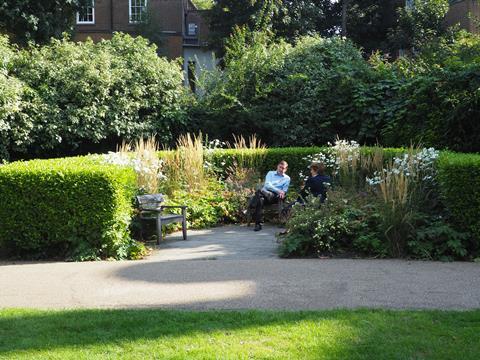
point(436, 100)
point(87, 96)
point(352, 223)
point(66, 208)
point(300, 95)
point(459, 180)
point(347, 222)
point(306, 94)
point(14, 125)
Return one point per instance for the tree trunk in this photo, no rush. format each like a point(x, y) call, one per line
point(345, 4)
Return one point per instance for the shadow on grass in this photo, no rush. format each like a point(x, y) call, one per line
point(327, 334)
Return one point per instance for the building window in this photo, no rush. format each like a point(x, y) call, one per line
point(137, 9)
point(192, 29)
point(87, 14)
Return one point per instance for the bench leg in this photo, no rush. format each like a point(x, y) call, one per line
point(159, 229)
point(184, 224)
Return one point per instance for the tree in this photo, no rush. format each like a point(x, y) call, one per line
point(345, 6)
point(306, 17)
point(368, 22)
point(420, 23)
point(287, 19)
point(226, 15)
point(38, 21)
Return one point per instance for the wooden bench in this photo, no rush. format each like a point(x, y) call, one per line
point(272, 210)
point(150, 208)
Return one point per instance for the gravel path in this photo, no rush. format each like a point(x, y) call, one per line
point(235, 268)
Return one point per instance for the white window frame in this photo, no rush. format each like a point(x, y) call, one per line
point(130, 20)
point(93, 16)
point(195, 29)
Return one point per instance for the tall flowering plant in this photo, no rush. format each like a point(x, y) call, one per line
point(143, 158)
point(403, 185)
point(341, 160)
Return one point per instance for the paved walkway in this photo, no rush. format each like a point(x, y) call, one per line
point(235, 268)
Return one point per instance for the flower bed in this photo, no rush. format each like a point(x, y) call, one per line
point(384, 206)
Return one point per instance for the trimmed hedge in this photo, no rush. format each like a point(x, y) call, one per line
point(459, 178)
point(294, 156)
point(71, 208)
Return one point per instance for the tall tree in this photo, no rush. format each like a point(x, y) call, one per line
point(420, 23)
point(38, 21)
point(368, 22)
point(285, 18)
point(306, 17)
point(345, 6)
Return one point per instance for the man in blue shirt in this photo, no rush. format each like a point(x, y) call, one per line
point(274, 189)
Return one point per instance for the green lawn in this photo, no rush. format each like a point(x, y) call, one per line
point(138, 334)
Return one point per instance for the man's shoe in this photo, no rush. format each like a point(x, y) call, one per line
point(258, 227)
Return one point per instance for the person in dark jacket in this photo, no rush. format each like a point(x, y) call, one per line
point(316, 184)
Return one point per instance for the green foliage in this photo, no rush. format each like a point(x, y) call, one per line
point(436, 97)
point(436, 239)
point(66, 208)
point(227, 15)
point(459, 179)
point(306, 94)
point(203, 4)
point(206, 207)
point(38, 21)
point(15, 126)
point(368, 22)
point(313, 95)
point(80, 97)
point(420, 23)
point(352, 224)
point(225, 106)
point(288, 96)
point(333, 227)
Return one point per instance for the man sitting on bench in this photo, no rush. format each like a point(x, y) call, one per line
point(274, 189)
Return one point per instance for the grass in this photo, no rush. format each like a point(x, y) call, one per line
point(138, 334)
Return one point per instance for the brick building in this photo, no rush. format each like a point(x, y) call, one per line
point(182, 26)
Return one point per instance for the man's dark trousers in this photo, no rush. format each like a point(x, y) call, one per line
point(263, 197)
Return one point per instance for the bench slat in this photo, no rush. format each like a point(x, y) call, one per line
point(149, 199)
